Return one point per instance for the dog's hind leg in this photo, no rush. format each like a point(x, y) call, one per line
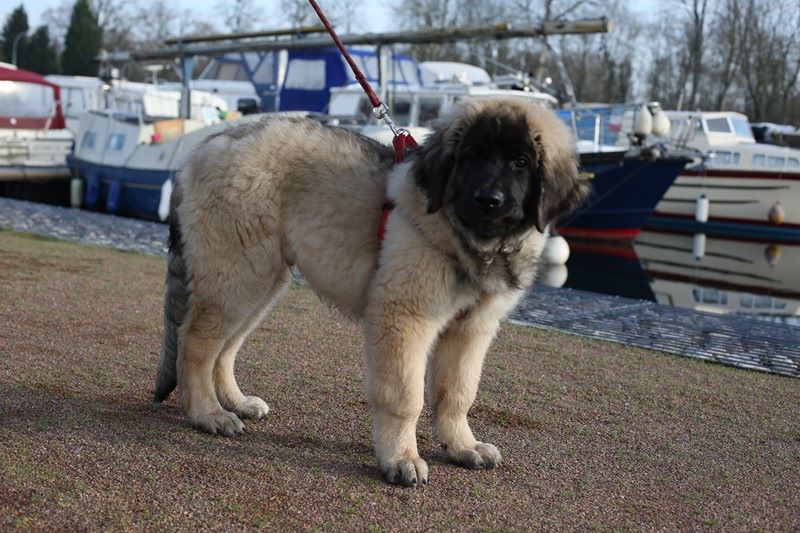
point(229, 296)
point(228, 392)
point(453, 381)
point(201, 341)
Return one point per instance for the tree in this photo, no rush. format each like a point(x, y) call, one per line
point(115, 19)
point(82, 42)
point(770, 61)
point(297, 13)
point(42, 55)
point(240, 15)
point(16, 24)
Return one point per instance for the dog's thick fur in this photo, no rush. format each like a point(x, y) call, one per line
point(461, 247)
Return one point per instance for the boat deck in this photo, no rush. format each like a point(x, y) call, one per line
point(738, 341)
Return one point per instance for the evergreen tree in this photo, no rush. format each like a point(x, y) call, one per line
point(41, 54)
point(82, 42)
point(16, 23)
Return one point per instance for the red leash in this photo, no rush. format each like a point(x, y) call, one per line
point(402, 142)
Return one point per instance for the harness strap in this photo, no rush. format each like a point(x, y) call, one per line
point(388, 205)
point(403, 142)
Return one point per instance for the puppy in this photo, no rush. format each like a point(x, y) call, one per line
point(473, 207)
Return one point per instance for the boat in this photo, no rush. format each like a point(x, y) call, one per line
point(157, 101)
point(34, 142)
point(128, 162)
point(753, 189)
point(415, 108)
point(629, 177)
point(302, 79)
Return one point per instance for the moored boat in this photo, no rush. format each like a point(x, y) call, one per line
point(128, 163)
point(628, 181)
point(753, 189)
point(33, 140)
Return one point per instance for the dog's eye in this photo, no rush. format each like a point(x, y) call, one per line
point(521, 162)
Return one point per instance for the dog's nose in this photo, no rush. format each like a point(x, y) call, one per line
point(489, 198)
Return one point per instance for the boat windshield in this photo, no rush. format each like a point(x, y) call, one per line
point(742, 128)
point(22, 99)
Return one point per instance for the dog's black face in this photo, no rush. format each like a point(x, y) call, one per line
point(496, 170)
point(506, 168)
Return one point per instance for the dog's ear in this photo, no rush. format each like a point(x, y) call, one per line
point(560, 191)
point(433, 167)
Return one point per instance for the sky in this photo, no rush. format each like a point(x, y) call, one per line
point(376, 17)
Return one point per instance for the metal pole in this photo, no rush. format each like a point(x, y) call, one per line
point(187, 64)
point(14, 47)
point(496, 31)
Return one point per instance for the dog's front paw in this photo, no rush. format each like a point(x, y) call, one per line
point(408, 472)
point(482, 455)
point(253, 407)
point(219, 422)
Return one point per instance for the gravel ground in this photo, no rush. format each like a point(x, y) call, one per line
point(595, 435)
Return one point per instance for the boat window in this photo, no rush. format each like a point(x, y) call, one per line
point(21, 99)
point(232, 71)
point(792, 162)
point(115, 141)
point(759, 160)
point(742, 127)
point(755, 301)
point(308, 74)
point(775, 161)
point(429, 109)
point(89, 139)
point(709, 296)
point(401, 110)
point(718, 125)
point(723, 157)
point(727, 158)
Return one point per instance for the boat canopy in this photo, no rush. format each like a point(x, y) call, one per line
point(28, 101)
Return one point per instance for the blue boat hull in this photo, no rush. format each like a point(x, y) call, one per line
point(625, 192)
point(120, 190)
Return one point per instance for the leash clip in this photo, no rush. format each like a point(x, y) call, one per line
point(381, 112)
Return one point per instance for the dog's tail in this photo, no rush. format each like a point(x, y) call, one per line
point(175, 302)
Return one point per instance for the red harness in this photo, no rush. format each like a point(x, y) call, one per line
point(403, 142)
